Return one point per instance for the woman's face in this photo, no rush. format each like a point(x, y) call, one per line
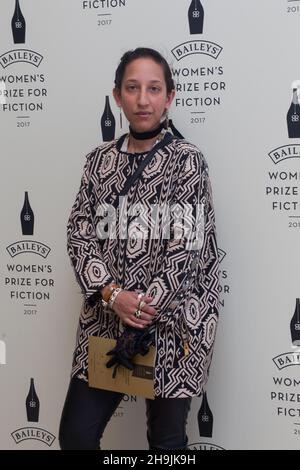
point(143, 95)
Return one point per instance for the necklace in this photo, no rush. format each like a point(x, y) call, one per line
point(125, 144)
point(149, 134)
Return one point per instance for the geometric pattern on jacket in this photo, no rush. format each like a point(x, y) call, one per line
point(183, 281)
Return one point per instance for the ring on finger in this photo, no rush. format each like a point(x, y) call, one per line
point(137, 314)
point(141, 304)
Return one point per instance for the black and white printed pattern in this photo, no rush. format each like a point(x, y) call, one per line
point(183, 281)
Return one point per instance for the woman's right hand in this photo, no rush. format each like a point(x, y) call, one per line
point(126, 304)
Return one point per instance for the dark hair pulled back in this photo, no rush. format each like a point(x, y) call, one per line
point(143, 52)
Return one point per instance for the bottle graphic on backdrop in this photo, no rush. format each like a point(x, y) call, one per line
point(196, 17)
point(27, 217)
point(18, 25)
point(108, 122)
point(32, 404)
point(205, 418)
point(293, 115)
point(295, 325)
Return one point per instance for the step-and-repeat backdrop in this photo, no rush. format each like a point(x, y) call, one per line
point(237, 74)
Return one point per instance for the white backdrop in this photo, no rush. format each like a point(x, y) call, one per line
point(234, 91)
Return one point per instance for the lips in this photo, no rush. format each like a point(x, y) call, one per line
point(143, 114)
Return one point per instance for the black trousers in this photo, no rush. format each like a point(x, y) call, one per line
point(88, 410)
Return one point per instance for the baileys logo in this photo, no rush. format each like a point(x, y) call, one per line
point(27, 226)
point(291, 358)
point(199, 86)
point(32, 411)
point(284, 152)
point(25, 92)
point(293, 128)
point(196, 46)
point(284, 395)
point(20, 55)
point(18, 27)
point(283, 183)
point(28, 280)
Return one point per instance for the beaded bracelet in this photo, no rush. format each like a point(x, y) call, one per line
point(113, 296)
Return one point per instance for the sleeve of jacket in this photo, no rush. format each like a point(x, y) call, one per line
point(82, 243)
point(193, 257)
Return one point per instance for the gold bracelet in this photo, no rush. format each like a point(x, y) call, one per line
point(110, 290)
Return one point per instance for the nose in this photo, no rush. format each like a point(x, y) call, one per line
point(143, 99)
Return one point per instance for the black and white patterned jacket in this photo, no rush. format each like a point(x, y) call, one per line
point(182, 277)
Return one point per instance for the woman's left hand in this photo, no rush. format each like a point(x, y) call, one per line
point(133, 309)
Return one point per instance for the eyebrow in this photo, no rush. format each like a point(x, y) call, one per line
point(136, 81)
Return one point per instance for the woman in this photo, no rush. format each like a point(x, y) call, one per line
point(163, 281)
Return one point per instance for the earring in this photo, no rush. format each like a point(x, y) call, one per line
point(167, 120)
point(121, 119)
